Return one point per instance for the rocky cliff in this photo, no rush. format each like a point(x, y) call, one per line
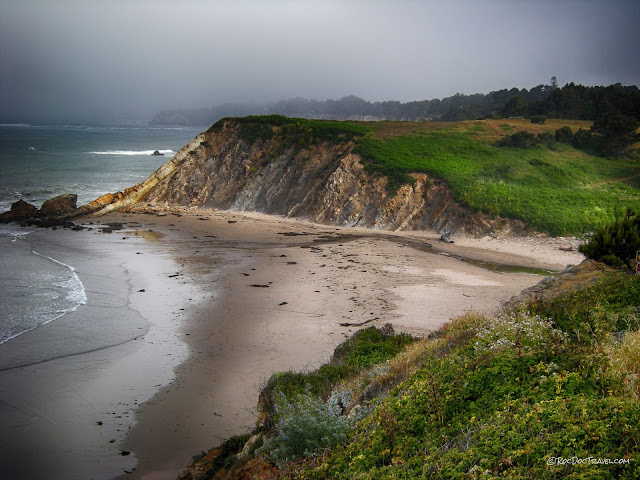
point(288, 170)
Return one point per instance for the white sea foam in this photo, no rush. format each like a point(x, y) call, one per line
point(77, 293)
point(132, 152)
point(10, 232)
point(74, 296)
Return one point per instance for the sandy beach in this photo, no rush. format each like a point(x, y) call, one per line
point(198, 308)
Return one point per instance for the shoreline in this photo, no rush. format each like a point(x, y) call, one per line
point(291, 291)
point(274, 294)
point(68, 388)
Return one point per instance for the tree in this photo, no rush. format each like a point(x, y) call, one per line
point(554, 82)
point(617, 132)
point(516, 107)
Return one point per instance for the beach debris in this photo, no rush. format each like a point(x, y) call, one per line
point(446, 236)
point(124, 453)
point(358, 324)
point(258, 285)
point(283, 303)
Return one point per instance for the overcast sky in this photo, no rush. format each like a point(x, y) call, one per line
point(75, 59)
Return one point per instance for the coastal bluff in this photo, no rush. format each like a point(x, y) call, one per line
point(285, 168)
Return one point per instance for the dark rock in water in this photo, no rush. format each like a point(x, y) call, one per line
point(20, 210)
point(157, 153)
point(59, 205)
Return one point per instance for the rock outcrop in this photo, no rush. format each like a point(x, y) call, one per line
point(326, 183)
point(19, 211)
point(60, 205)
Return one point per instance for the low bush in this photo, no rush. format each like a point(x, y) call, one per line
point(616, 243)
point(365, 348)
point(304, 426)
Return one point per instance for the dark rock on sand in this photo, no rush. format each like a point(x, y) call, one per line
point(59, 205)
point(20, 210)
point(446, 236)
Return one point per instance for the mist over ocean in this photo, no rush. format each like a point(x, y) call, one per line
point(40, 162)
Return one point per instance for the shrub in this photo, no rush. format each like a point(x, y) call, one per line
point(564, 134)
point(519, 139)
point(546, 138)
point(304, 427)
point(582, 138)
point(518, 332)
point(616, 244)
point(539, 119)
point(370, 346)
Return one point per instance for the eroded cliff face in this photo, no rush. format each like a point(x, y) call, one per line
point(325, 182)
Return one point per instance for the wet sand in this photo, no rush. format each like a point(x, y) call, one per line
point(263, 294)
point(69, 389)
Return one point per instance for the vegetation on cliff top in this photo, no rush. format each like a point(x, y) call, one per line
point(559, 184)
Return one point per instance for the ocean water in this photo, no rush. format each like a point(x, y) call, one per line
point(36, 289)
point(40, 162)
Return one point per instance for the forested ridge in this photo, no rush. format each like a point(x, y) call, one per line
point(573, 101)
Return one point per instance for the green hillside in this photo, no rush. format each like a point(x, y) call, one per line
point(505, 397)
point(555, 189)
